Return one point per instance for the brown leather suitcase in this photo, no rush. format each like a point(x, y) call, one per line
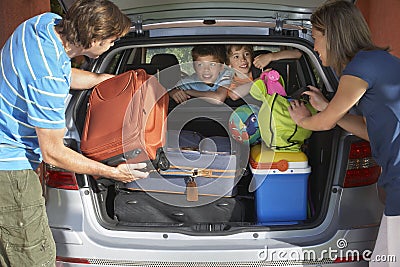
point(126, 120)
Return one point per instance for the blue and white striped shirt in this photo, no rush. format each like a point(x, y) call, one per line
point(35, 77)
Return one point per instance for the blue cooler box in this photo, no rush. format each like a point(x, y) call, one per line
point(280, 181)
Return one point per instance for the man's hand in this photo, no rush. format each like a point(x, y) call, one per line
point(130, 172)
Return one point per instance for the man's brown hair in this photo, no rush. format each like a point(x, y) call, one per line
point(90, 20)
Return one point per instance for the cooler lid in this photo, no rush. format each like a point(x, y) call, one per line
point(262, 157)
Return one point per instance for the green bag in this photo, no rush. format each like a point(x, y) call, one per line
point(278, 130)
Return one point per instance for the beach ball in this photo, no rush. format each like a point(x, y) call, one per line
point(243, 124)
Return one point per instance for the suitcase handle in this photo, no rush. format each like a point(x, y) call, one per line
point(121, 158)
point(161, 161)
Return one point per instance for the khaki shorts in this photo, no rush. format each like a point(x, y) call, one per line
point(25, 236)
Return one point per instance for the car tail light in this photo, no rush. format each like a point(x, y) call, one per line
point(361, 167)
point(347, 259)
point(59, 178)
point(72, 260)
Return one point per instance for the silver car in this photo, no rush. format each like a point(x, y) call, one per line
point(342, 212)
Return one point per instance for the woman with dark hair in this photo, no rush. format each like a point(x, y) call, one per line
point(35, 78)
point(370, 80)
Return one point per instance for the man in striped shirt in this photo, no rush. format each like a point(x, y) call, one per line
point(35, 78)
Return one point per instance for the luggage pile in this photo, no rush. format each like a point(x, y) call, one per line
point(193, 178)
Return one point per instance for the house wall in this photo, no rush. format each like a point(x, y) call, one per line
point(383, 19)
point(13, 13)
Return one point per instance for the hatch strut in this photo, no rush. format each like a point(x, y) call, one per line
point(278, 23)
point(139, 25)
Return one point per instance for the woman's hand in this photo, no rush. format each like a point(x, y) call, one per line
point(316, 98)
point(298, 111)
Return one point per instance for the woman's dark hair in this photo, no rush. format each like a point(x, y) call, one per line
point(90, 20)
point(346, 32)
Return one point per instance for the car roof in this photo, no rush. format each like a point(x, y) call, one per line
point(148, 12)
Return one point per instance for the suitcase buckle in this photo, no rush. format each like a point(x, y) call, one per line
point(201, 172)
